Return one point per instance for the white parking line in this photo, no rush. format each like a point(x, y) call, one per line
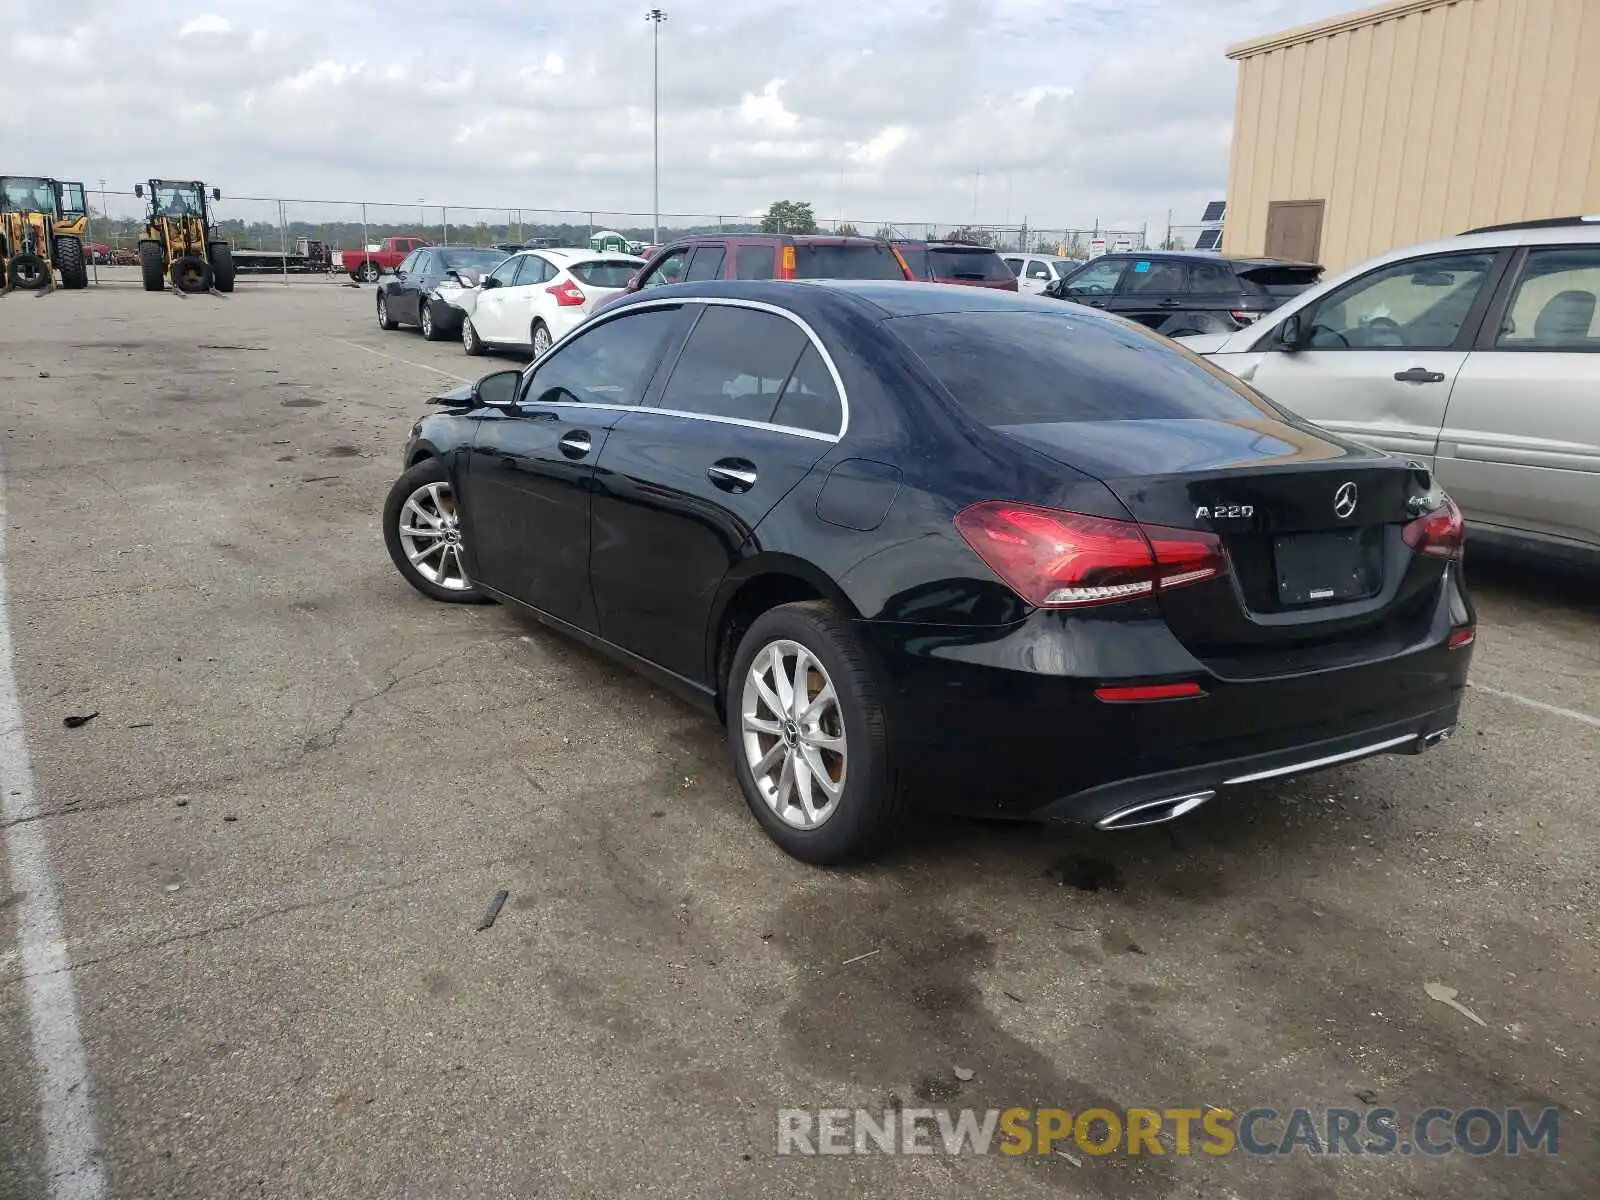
point(398, 359)
point(66, 1113)
point(1571, 714)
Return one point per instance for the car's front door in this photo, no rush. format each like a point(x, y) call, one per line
point(525, 489)
point(666, 269)
point(522, 300)
point(1520, 446)
point(403, 299)
point(1095, 284)
point(1152, 290)
point(1381, 353)
point(1035, 276)
point(749, 408)
point(489, 313)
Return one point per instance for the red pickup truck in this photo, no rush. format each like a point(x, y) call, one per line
point(369, 264)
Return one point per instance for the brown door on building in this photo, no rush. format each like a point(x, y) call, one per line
point(1294, 229)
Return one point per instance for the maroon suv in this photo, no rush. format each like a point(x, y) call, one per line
point(957, 262)
point(770, 256)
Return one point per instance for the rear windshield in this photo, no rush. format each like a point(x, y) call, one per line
point(969, 265)
point(612, 274)
point(1282, 282)
point(474, 260)
point(865, 261)
point(1026, 368)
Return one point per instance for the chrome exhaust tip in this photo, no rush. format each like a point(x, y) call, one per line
point(1153, 812)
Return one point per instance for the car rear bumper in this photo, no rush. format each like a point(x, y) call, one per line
point(1006, 722)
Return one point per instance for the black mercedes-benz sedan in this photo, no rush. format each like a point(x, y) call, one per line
point(942, 547)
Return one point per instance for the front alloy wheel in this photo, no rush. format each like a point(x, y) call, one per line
point(794, 736)
point(422, 529)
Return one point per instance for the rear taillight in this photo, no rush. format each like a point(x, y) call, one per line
point(1462, 637)
point(1437, 534)
point(786, 263)
point(1056, 559)
point(567, 294)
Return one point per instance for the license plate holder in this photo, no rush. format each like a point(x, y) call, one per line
point(1322, 568)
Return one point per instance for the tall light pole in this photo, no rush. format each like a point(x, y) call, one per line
point(655, 16)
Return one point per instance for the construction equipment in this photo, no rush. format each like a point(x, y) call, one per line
point(180, 242)
point(42, 222)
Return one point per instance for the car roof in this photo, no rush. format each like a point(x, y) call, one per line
point(574, 256)
point(1239, 260)
point(940, 245)
point(875, 297)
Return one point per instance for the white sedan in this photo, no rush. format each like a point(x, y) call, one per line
point(536, 297)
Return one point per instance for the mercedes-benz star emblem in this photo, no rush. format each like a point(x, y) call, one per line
point(1344, 501)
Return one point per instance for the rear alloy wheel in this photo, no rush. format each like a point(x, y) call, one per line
point(541, 338)
point(807, 735)
point(384, 321)
point(422, 529)
point(369, 272)
point(470, 341)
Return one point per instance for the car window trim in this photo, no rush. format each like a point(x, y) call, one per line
point(1472, 325)
point(651, 389)
point(1489, 331)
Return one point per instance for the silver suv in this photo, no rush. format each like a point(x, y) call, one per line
point(1478, 355)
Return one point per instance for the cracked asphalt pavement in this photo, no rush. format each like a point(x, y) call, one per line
point(306, 782)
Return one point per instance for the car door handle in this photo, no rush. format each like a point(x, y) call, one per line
point(1419, 375)
point(575, 444)
point(1171, 304)
point(735, 475)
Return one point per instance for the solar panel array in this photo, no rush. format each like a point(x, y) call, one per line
point(1209, 239)
point(1214, 211)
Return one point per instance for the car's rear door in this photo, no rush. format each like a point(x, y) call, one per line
point(1383, 351)
point(525, 489)
point(1152, 290)
point(706, 262)
point(750, 405)
point(1520, 444)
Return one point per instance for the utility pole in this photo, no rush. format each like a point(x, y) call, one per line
point(655, 16)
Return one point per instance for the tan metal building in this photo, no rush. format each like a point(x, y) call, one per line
point(1413, 120)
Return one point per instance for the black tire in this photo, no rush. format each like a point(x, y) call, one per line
point(428, 321)
point(152, 266)
point(222, 269)
point(369, 272)
point(868, 808)
point(28, 273)
point(74, 270)
point(192, 273)
point(470, 341)
point(385, 321)
point(429, 471)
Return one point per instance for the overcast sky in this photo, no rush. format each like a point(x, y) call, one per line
point(1061, 111)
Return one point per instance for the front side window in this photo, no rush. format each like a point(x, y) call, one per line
point(1037, 270)
point(1554, 305)
point(611, 363)
point(506, 271)
point(668, 270)
point(408, 263)
point(1096, 279)
point(424, 263)
point(734, 364)
point(1419, 304)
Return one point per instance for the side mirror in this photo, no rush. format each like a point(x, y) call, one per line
point(1291, 336)
point(216, 193)
point(497, 390)
point(138, 190)
point(490, 282)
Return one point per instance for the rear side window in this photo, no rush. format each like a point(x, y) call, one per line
point(969, 266)
point(1556, 304)
point(734, 364)
point(756, 262)
point(613, 274)
point(534, 270)
point(1027, 368)
point(1149, 276)
point(1212, 279)
point(864, 261)
point(810, 401)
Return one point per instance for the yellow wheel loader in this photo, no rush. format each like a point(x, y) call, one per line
point(181, 245)
point(37, 237)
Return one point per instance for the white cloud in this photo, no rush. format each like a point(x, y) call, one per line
point(1072, 110)
point(206, 23)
